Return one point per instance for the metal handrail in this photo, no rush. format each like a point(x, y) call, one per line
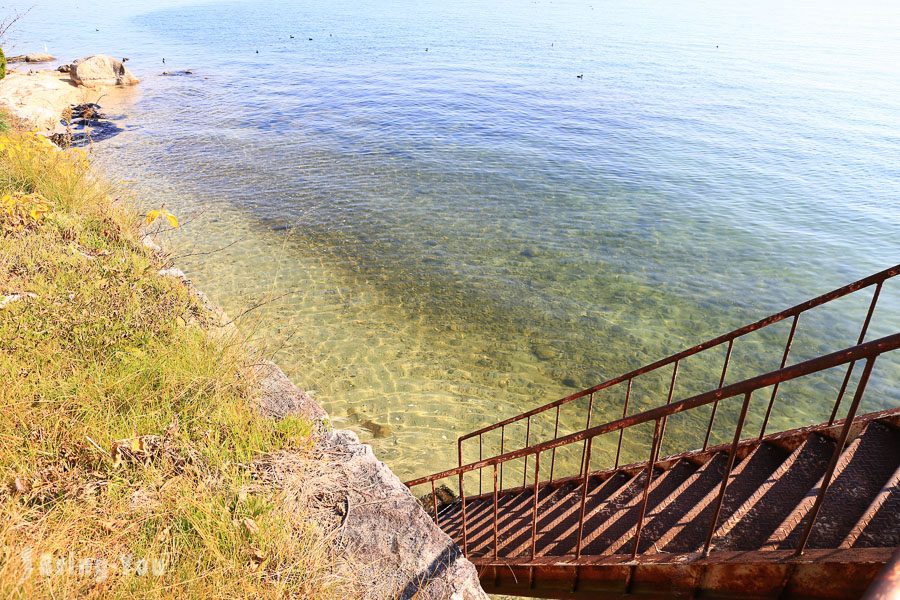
point(855, 353)
point(868, 351)
point(876, 279)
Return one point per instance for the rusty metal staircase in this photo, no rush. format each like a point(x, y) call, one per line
point(809, 512)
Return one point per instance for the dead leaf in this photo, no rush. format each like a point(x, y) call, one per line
point(20, 485)
point(257, 558)
point(109, 526)
point(250, 525)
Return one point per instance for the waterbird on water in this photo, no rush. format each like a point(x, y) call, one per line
point(580, 76)
point(292, 37)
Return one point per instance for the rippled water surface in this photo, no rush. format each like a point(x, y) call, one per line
point(448, 226)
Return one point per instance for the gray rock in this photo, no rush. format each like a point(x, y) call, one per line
point(101, 70)
point(279, 397)
point(34, 57)
point(390, 543)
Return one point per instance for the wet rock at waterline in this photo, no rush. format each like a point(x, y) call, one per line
point(84, 124)
point(443, 495)
point(101, 70)
point(34, 57)
point(176, 73)
point(89, 111)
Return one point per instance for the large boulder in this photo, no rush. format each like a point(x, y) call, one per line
point(101, 70)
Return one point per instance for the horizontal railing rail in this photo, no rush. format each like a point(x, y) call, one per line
point(868, 351)
point(876, 279)
point(875, 347)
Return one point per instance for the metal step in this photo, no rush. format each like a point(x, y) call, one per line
point(563, 533)
point(619, 535)
point(879, 526)
point(753, 474)
point(865, 466)
point(766, 512)
point(670, 517)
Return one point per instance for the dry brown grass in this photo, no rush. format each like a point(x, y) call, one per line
point(127, 431)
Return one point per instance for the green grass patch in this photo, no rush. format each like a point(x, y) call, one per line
point(127, 426)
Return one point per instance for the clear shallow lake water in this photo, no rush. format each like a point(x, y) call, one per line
point(451, 227)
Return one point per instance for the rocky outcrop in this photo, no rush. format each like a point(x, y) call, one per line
point(100, 70)
point(387, 540)
point(35, 57)
point(279, 396)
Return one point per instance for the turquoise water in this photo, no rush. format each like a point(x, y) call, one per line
point(449, 227)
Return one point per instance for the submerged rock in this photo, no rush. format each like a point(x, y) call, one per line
point(376, 429)
point(177, 73)
point(101, 70)
point(543, 352)
point(442, 494)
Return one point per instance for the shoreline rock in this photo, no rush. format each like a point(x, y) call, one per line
point(35, 57)
point(40, 98)
point(101, 70)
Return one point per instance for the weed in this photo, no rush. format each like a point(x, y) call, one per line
point(127, 430)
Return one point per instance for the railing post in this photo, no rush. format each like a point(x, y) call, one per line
point(434, 502)
point(480, 469)
point(728, 467)
point(553, 454)
point(465, 531)
point(654, 454)
point(502, 441)
point(496, 537)
point(584, 492)
point(662, 431)
point(534, 516)
point(784, 357)
point(527, 442)
point(624, 414)
point(715, 406)
point(862, 336)
point(836, 455)
point(587, 426)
